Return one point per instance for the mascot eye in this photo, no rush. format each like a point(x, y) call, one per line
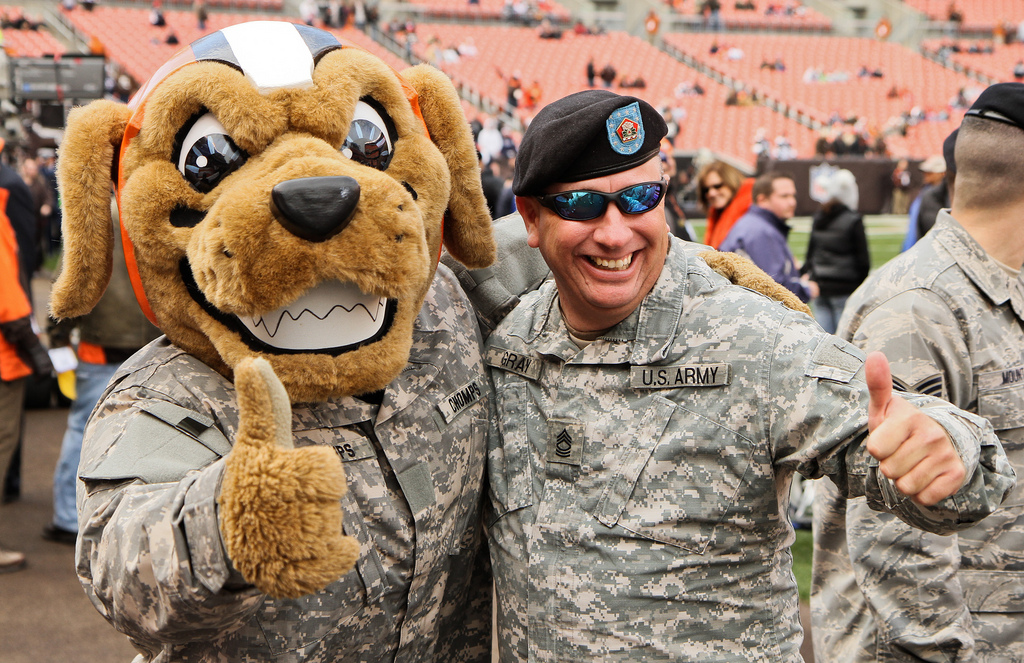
point(370, 137)
point(208, 154)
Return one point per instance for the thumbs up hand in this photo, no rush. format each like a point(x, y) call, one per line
point(913, 450)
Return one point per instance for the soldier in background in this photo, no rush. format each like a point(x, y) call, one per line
point(948, 313)
point(651, 415)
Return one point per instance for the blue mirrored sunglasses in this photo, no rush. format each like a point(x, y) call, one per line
point(584, 205)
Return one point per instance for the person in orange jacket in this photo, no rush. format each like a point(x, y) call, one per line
point(726, 195)
point(21, 355)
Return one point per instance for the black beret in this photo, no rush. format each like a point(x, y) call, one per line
point(584, 135)
point(948, 148)
point(1003, 102)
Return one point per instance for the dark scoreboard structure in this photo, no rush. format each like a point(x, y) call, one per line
point(57, 78)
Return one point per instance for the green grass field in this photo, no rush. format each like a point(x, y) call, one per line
point(802, 549)
point(885, 236)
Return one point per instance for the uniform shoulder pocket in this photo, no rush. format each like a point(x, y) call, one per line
point(161, 442)
point(835, 359)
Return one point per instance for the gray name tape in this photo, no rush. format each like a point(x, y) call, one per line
point(679, 375)
point(514, 362)
point(1003, 378)
point(459, 400)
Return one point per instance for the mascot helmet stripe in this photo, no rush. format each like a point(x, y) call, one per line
point(289, 64)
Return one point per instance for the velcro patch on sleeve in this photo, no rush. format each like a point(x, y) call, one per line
point(835, 360)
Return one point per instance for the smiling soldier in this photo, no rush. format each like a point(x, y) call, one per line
point(651, 415)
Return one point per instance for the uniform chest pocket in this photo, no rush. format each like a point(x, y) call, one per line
point(1003, 406)
point(509, 456)
point(681, 481)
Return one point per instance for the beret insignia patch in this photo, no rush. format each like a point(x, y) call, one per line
point(626, 129)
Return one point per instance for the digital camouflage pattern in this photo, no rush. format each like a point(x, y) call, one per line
point(639, 487)
point(950, 321)
point(150, 554)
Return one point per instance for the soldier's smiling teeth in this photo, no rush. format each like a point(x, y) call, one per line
point(621, 263)
point(333, 314)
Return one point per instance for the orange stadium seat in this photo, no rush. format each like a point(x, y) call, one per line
point(978, 15)
point(30, 43)
point(997, 65)
point(138, 47)
point(924, 84)
point(559, 66)
point(758, 18)
point(491, 9)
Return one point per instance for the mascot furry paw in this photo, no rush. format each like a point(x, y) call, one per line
point(283, 201)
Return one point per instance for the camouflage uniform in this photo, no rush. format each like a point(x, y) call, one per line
point(640, 486)
point(949, 320)
point(150, 553)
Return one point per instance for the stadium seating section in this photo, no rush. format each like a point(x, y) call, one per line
point(822, 78)
point(485, 9)
point(26, 43)
point(559, 66)
point(820, 81)
point(140, 48)
point(994, 61)
point(978, 15)
point(30, 43)
point(764, 15)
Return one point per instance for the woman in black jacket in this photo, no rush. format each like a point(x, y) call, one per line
point(837, 255)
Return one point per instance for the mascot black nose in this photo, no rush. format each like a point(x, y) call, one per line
point(316, 208)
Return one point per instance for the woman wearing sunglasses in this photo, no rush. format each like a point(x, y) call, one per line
point(725, 194)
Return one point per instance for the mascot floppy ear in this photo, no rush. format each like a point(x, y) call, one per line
point(84, 175)
point(467, 227)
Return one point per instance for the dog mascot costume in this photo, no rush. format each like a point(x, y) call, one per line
point(281, 199)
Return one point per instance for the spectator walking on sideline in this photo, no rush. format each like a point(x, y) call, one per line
point(21, 355)
point(108, 335)
point(949, 314)
point(18, 209)
point(837, 259)
point(44, 199)
point(658, 530)
point(933, 197)
point(726, 195)
point(900, 188)
point(761, 233)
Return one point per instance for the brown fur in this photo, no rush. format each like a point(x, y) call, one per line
point(742, 271)
point(280, 514)
point(269, 489)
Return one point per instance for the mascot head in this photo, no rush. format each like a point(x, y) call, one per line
point(282, 194)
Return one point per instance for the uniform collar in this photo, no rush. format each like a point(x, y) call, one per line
point(645, 336)
point(984, 272)
point(430, 346)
